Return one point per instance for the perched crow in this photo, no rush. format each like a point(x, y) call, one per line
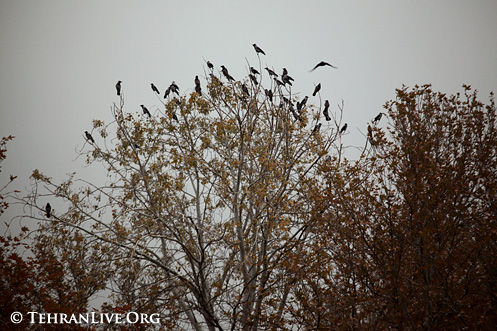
point(279, 82)
point(226, 73)
point(286, 78)
point(118, 87)
point(245, 89)
point(89, 137)
point(303, 102)
point(269, 94)
point(210, 65)
point(316, 89)
point(154, 88)
point(255, 72)
point(198, 89)
point(258, 49)
point(325, 111)
point(145, 111)
point(174, 88)
point(370, 132)
point(48, 209)
point(166, 94)
point(344, 128)
point(316, 128)
point(378, 117)
point(271, 72)
point(175, 117)
point(254, 79)
point(322, 64)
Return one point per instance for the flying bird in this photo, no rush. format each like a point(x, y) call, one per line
point(378, 117)
point(316, 89)
point(271, 72)
point(344, 128)
point(258, 49)
point(154, 88)
point(48, 210)
point(325, 111)
point(174, 88)
point(145, 111)
point(118, 87)
point(254, 71)
point(226, 73)
point(198, 89)
point(322, 64)
point(89, 137)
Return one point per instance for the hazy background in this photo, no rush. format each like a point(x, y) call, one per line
point(60, 60)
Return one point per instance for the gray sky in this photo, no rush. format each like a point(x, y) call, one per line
point(60, 60)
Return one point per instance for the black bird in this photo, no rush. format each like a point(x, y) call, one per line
point(154, 88)
point(254, 79)
point(271, 72)
point(48, 209)
point(316, 128)
point(198, 89)
point(118, 87)
point(316, 89)
point(255, 72)
point(269, 94)
point(294, 113)
point(89, 137)
point(325, 111)
point(322, 64)
point(145, 111)
point(166, 94)
point(303, 102)
point(378, 117)
point(286, 78)
point(370, 132)
point(258, 49)
point(344, 128)
point(245, 89)
point(279, 82)
point(174, 88)
point(285, 72)
point(226, 73)
point(175, 117)
point(210, 65)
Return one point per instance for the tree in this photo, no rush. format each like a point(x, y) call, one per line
point(408, 236)
point(205, 202)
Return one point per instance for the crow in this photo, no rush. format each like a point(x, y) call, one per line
point(286, 78)
point(226, 73)
point(48, 210)
point(198, 89)
point(378, 117)
point(174, 88)
point(245, 89)
point(325, 111)
point(279, 82)
point(255, 72)
point(271, 72)
point(304, 102)
point(344, 128)
point(154, 88)
point(269, 94)
point(145, 111)
point(89, 137)
point(322, 64)
point(175, 117)
point(316, 128)
point(316, 89)
point(166, 94)
point(118, 87)
point(254, 79)
point(258, 49)
point(370, 132)
point(210, 65)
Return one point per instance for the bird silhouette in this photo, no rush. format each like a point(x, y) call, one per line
point(316, 89)
point(325, 111)
point(279, 82)
point(378, 117)
point(370, 132)
point(145, 111)
point(48, 209)
point(316, 128)
point(258, 49)
point(303, 102)
point(166, 94)
point(254, 79)
point(245, 89)
point(154, 88)
point(286, 78)
point(198, 89)
point(254, 71)
point(174, 88)
point(322, 64)
point(89, 137)
point(344, 128)
point(210, 65)
point(118, 87)
point(226, 73)
point(271, 72)
point(269, 94)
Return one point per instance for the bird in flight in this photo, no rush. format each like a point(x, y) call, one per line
point(154, 88)
point(258, 49)
point(344, 128)
point(226, 73)
point(316, 89)
point(118, 87)
point(48, 210)
point(325, 111)
point(89, 137)
point(322, 64)
point(145, 111)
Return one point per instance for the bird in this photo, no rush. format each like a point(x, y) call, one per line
point(145, 111)
point(271, 72)
point(316, 89)
point(325, 111)
point(210, 65)
point(154, 88)
point(254, 71)
point(48, 209)
point(258, 49)
point(269, 94)
point(245, 89)
point(303, 102)
point(286, 78)
point(279, 82)
point(370, 132)
point(226, 73)
point(378, 117)
point(198, 89)
point(344, 128)
point(322, 64)
point(175, 117)
point(89, 137)
point(174, 88)
point(254, 79)
point(118, 87)
point(316, 128)
point(166, 94)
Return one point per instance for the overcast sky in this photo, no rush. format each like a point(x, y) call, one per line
point(60, 60)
